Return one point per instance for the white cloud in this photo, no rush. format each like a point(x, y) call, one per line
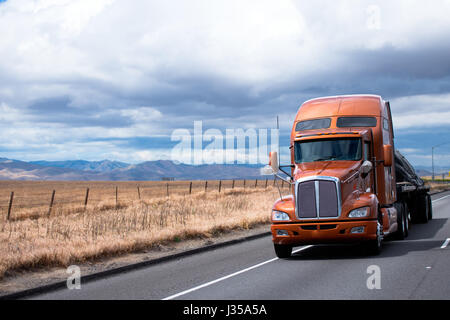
point(136, 44)
point(409, 150)
point(119, 55)
point(421, 111)
point(142, 114)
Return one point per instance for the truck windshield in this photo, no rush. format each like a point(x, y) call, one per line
point(328, 150)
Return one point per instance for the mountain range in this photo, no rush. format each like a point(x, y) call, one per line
point(106, 170)
point(101, 166)
point(423, 171)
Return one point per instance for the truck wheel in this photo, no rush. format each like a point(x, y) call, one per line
point(282, 251)
point(430, 207)
point(406, 217)
point(422, 209)
point(373, 247)
point(401, 232)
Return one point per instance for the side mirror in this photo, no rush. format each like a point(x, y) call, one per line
point(387, 155)
point(273, 161)
point(365, 169)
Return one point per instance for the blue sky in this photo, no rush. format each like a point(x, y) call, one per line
point(113, 79)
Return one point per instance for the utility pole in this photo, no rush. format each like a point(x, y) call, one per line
point(432, 158)
point(432, 164)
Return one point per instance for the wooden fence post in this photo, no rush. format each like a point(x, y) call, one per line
point(266, 183)
point(167, 189)
point(139, 192)
point(244, 183)
point(232, 186)
point(206, 185)
point(220, 185)
point(51, 203)
point(274, 180)
point(117, 196)
point(256, 183)
point(87, 198)
point(282, 184)
point(11, 198)
point(190, 188)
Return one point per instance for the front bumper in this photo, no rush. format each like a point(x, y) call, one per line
point(323, 232)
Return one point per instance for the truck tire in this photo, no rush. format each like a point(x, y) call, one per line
point(430, 207)
point(407, 216)
point(373, 247)
point(422, 209)
point(282, 251)
point(402, 220)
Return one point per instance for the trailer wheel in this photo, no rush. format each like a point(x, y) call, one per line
point(430, 207)
point(282, 251)
point(422, 209)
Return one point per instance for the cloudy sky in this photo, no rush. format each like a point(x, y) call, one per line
point(112, 79)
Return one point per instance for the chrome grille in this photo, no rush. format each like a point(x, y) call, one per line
point(318, 198)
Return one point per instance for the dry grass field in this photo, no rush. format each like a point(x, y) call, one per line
point(438, 186)
point(32, 198)
point(71, 233)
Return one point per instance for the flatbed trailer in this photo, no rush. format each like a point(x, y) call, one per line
point(412, 190)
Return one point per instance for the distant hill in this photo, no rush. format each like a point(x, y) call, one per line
point(424, 171)
point(107, 170)
point(155, 170)
point(21, 170)
point(100, 166)
point(117, 171)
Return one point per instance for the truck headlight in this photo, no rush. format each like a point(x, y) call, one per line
point(280, 216)
point(359, 213)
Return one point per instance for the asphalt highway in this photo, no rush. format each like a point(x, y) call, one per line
point(415, 268)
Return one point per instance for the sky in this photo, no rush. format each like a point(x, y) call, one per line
point(110, 79)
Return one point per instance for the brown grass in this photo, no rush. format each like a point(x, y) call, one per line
point(74, 235)
point(436, 187)
point(32, 198)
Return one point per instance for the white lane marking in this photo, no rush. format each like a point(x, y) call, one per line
point(441, 198)
point(228, 276)
point(445, 243)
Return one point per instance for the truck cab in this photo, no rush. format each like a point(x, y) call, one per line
point(342, 175)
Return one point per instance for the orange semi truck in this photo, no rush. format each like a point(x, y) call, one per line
point(348, 182)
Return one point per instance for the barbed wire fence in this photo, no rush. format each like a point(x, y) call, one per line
point(16, 201)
